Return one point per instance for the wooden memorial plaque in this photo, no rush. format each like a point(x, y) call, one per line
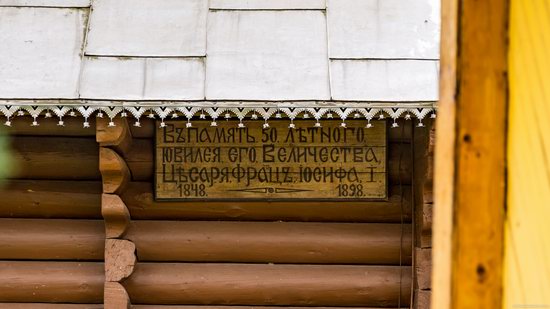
point(226, 162)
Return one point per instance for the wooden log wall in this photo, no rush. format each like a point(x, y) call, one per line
point(424, 142)
point(131, 251)
point(51, 232)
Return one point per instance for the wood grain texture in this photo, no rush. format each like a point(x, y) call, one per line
point(257, 284)
point(423, 267)
point(138, 197)
point(69, 282)
point(50, 199)
point(49, 306)
point(115, 214)
point(527, 245)
point(120, 259)
point(114, 171)
point(470, 156)
point(117, 137)
point(228, 307)
point(140, 161)
point(51, 239)
point(422, 299)
point(279, 162)
point(271, 242)
point(444, 149)
point(115, 296)
point(60, 158)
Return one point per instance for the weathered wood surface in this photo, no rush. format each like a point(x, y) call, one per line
point(74, 158)
point(422, 299)
point(470, 171)
point(51, 239)
point(423, 259)
point(117, 137)
point(122, 305)
point(138, 197)
point(120, 259)
point(271, 242)
point(403, 133)
point(257, 284)
point(224, 307)
point(140, 161)
point(115, 296)
point(227, 162)
point(115, 214)
point(50, 306)
point(49, 127)
point(114, 171)
point(50, 199)
point(63, 282)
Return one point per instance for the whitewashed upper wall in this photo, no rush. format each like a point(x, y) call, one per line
point(272, 50)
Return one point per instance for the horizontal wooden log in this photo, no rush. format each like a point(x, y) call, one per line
point(51, 282)
point(51, 239)
point(224, 307)
point(257, 284)
point(49, 306)
point(271, 242)
point(140, 159)
point(138, 197)
point(73, 126)
point(72, 158)
point(99, 306)
point(402, 133)
point(50, 199)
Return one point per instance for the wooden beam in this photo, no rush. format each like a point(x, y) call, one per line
point(51, 306)
point(69, 282)
point(262, 284)
point(272, 242)
point(63, 158)
point(213, 307)
point(50, 199)
point(470, 155)
point(51, 239)
point(138, 197)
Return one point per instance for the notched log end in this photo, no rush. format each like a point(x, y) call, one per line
point(116, 215)
point(120, 259)
point(117, 135)
point(114, 171)
point(115, 296)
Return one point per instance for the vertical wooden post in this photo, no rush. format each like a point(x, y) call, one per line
point(470, 155)
point(120, 255)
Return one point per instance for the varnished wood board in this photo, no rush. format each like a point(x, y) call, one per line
point(228, 162)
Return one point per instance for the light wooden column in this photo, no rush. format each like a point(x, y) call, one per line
point(470, 158)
